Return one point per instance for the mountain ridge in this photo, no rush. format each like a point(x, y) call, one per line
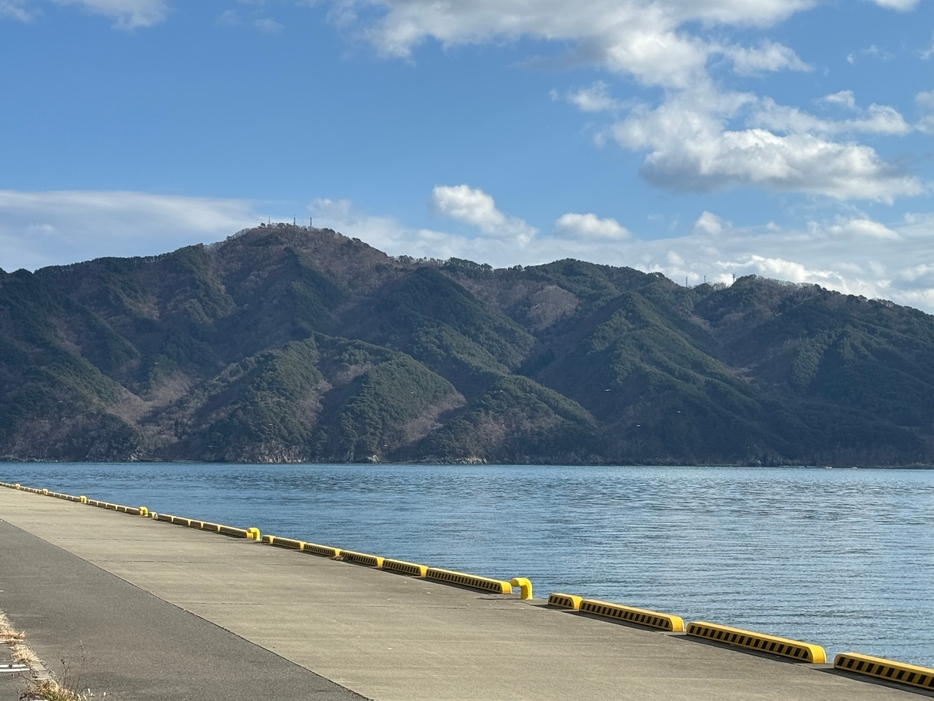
point(291, 344)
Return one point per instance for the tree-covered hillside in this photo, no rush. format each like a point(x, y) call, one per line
point(287, 344)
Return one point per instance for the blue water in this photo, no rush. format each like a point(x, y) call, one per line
point(841, 558)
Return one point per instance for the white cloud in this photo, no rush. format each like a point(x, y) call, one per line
point(668, 44)
point(49, 228)
point(643, 38)
point(691, 148)
point(900, 5)
point(709, 224)
point(589, 226)
point(875, 119)
point(862, 227)
point(844, 98)
point(477, 208)
point(768, 57)
point(596, 98)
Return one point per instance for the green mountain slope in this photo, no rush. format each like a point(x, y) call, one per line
point(286, 344)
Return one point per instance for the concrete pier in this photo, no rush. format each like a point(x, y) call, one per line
point(325, 629)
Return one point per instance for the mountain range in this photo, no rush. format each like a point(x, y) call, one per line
point(292, 344)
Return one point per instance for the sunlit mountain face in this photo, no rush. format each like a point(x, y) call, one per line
point(289, 344)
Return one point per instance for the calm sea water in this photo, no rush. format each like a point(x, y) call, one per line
point(841, 558)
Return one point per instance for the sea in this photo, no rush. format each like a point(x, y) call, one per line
point(842, 558)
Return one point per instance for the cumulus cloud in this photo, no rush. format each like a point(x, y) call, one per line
point(589, 226)
point(875, 119)
point(691, 148)
point(475, 207)
point(49, 228)
point(644, 38)
point(689, 142)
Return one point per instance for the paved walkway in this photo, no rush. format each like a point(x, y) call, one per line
point(269, 617)
point(104, 634)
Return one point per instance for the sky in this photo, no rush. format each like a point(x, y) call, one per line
point(705, 139)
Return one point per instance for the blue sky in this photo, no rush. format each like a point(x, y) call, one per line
point(702, 138)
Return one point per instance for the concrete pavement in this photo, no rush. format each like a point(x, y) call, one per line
point(105, 634)
point(384, 636)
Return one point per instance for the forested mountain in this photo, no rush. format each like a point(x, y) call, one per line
point(287, 344)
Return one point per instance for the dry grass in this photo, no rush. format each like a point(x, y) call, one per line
point(46, 689)
point(66, 689)
point(51, 690)
point(16, 640)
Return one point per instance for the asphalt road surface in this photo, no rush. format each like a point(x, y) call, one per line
point(107, 635)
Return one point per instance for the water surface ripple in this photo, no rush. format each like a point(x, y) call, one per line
point(841, 558)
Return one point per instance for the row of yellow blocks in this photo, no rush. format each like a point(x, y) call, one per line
point(410, 568)
point(877, 667)
point(495, 586)
point(413, 569)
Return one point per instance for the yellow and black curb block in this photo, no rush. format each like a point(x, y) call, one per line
point(361, 558)
point(791, 649)
point(887, 670)
point(629, 614)
point(322, 550)
point(284, 542)
point(470, 581)
point(402, 567)
point(232, 532)
point(565, 601)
